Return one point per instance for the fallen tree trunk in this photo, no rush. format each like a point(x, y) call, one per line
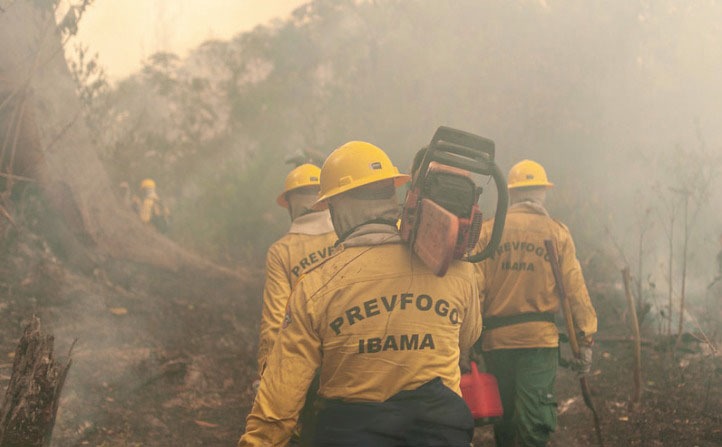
point(27, 415)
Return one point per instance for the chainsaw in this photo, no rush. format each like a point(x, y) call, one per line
point(441, 219)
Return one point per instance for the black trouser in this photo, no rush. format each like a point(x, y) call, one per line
point(429, 416)
point(307, 418)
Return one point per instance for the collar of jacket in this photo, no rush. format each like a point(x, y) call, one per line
point(528, 207)
point(312, 223)
point(373, 234)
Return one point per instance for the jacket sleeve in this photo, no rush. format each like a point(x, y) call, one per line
point(585, 318)
point(292, 364)
point(471, 324)
point(276, 291)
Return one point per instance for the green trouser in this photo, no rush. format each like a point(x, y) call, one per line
point(526, 385)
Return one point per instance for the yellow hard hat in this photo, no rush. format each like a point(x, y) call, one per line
point(304, 175)
point(528, 173)
point(147, 184)
point(355, 164)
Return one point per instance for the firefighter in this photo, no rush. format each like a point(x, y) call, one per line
point(150, 208)
point(520, 339)
point(309, 241)
point(381, 329)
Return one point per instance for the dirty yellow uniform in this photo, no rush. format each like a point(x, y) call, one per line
point(519, 280)
point(520, 336)
point(309, 241)
point(149, 207)
point(373, 321)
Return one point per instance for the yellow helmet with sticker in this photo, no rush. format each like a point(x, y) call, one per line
point(528, 173)
point(356, 164)
point(300, 177)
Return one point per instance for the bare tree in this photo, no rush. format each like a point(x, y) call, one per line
point(644, 225)
point(637, 394)
point(683, 286)
point(667, 215)
point(695, 170)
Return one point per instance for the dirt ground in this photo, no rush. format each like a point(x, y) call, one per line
point(174, 366)
point(169, 367)
point(681, 401)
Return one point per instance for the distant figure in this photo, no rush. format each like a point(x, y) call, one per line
point(125, 195)
point(150, 208)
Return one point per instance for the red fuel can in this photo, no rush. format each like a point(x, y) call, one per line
point(481, 393)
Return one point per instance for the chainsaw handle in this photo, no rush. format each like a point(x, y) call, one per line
point(458, 158)
point(459, 149)
point(499, 217)
point(465, 140)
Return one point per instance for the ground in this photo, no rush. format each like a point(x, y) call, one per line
point(171, 367)
point(681, 401)
point(162, 360)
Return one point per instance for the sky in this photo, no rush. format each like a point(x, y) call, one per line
point(124, 32)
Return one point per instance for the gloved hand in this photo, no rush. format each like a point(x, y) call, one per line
point(583, 364)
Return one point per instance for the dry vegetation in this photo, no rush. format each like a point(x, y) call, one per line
point(166, 339)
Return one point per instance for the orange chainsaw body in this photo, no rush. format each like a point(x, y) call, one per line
point(437, 233)
point(441, 218)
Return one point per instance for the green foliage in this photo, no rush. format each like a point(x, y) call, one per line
point(68, 26)
point(225, 219)
point(89, 76)
point(549, 81)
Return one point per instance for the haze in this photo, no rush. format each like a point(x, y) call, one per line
point(618, 99)
point(125, 32)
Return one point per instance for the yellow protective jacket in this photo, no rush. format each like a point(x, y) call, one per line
point(518, 279)
point(309, 241)
point(147, 208)
point(150, 206)
point(373, 321)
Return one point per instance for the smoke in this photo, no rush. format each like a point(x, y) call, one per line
point(618, 100)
